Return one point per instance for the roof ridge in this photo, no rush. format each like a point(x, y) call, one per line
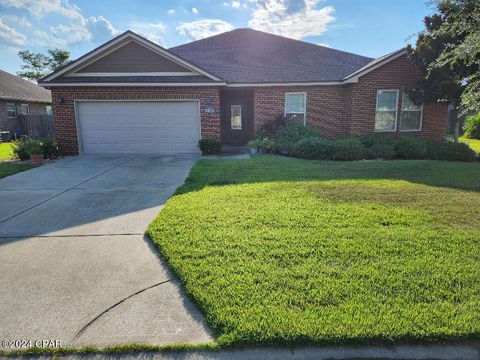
point(272, 35)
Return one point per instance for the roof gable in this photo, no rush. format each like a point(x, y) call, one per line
point(132, 57)
point(128, 54)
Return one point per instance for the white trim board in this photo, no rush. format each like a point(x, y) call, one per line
point(113, 74)
point(141, 84)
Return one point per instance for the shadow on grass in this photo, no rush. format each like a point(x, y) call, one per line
point(269, 168)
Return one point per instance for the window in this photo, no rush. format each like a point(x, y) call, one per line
point(386, 111)
point(295, 106)
point(11, 110)
point(236, 117)
point(48, 109)
point(411, 116)
point(24, 109)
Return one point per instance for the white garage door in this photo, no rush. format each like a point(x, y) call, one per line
point(112, 127)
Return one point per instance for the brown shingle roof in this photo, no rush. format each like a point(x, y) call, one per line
point(251, 56)
point(15, 88)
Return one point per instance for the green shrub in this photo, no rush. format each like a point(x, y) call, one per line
point(451, 151)
point(35, 147)
point(20, 149)
point(378, 146)
point(209, 146)
point(347, 149)
point(380, 151)
point(261, 144)
point(291, 133)
point(411, 148)
point(313, 148)
point(50, 149)
point(369, 140)
point(471, 126)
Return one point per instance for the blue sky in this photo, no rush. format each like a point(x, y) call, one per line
point(367, 27)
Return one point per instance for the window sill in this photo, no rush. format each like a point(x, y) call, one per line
point(411, 130)
point(383, 131)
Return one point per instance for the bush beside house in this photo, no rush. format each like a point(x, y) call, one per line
point(302, 142)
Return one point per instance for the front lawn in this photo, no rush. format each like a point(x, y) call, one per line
point(473, 143)
point(7, 169)
point(5, 151)
point(282, 250)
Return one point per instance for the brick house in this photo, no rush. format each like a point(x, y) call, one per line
point(18, 97)
point(131, 95)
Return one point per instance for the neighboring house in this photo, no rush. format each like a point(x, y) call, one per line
point(131, 95)
point(19, 96)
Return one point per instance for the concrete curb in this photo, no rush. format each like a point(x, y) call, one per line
point(403, 352)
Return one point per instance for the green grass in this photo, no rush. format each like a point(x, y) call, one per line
point(281, 250)
point(7, 169)
point(473, 143)
point(5, 151)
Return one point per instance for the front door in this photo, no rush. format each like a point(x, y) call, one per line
point(237, 117)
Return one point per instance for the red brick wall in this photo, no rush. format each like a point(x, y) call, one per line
point(65, 127)
point(400, 74)
point(325, 107)
point(349, 109)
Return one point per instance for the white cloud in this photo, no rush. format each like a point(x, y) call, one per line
point(76, 30)
point(291, 18)
point(171, 12)
point(9, 36)
point(152, 31)
point(17, 20)
point(194, 10)
point(203, 28)
point(40, 8)
point(234, 4)
point(324, 45)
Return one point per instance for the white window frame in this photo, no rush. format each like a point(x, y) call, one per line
point(304, 93)
point(48, 109)
point(14, 109)
point(421, 115)
point(396, 110)
point(22, 107)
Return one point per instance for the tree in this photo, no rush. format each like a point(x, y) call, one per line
point(448, 53)
point(38, 65)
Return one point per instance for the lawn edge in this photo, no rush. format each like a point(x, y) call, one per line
point(112, 349)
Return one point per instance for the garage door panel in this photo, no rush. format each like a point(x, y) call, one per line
point(138, 127)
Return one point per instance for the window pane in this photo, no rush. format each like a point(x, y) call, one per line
point(11, 111)
point(385, 120)
point(386, 100)
point(408, 104)
point(236, 117)
point(24, 109)
point(295, 103)
point(410, 120)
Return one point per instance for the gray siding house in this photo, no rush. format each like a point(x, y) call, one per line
point(19, 96)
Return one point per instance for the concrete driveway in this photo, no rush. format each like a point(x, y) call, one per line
point(74, 263)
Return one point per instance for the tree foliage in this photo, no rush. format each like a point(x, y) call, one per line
point(448, 52)
point(38, 65)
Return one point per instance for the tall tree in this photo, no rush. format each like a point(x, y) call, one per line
point(448, 52)
point(38, 65)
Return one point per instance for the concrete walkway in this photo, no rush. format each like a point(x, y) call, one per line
point(74, 263)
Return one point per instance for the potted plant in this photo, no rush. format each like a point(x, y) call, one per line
point(253, 145)
point(35, 150)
